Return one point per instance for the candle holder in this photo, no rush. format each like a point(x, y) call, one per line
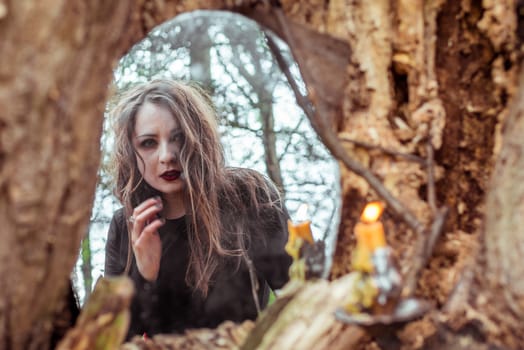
point(375, 294)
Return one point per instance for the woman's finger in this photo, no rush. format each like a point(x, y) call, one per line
point(146, 204)
point(150, 230)
point(143, 214)
point(148, 250)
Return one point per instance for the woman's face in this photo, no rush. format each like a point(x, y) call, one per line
point(157, 139)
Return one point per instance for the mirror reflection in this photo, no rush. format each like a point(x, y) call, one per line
point(259, 123)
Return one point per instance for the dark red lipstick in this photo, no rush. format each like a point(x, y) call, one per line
point(171, 175)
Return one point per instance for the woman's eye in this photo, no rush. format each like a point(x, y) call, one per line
point(177, 137)
point(148, 143)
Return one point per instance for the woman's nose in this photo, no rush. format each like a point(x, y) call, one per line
point(167, 153)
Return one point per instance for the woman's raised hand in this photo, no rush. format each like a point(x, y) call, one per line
point(145, 238)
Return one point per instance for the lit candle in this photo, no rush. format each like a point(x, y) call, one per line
point(302, 228)
point(369, 232)
point(299, 230)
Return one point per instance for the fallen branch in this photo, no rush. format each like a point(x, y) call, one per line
point(302, 317)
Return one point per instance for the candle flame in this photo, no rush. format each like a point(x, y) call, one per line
point(372, 212)
point(300, 228)
point(302, 212)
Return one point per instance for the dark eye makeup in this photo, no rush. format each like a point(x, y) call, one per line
point(147, 143)
point(177, 136)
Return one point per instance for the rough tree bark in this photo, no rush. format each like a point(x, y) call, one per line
point(500, 278)
point(55, 67)
point(423, 77)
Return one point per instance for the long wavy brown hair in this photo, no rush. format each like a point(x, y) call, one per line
point(219, 200)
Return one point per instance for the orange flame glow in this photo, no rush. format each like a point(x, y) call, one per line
point(372, 212)
point(302, 212)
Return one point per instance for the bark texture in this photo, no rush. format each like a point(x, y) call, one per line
point(54, 75)
point(419, 78)
point(503, 296)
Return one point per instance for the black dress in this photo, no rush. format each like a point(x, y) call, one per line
point(169, 305)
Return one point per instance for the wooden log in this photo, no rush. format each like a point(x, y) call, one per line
point(302, 317)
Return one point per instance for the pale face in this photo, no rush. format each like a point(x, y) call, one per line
point(157, 139)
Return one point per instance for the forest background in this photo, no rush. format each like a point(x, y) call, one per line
point(261, 125)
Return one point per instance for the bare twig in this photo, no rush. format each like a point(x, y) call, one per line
point(426, 242)
point(252, 276)
point(289, 143)
point(458, 298)
point(432, 198)
point(409, 157)
point(424, 251)
point(330, 139)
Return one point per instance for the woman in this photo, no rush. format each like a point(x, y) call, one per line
point(203, 243)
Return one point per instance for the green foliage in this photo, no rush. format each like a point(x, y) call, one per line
point(272, 297)
point(86, 257)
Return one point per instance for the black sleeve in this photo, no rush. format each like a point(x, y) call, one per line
point(116, 245)
point(266, 248)
point(115, 263)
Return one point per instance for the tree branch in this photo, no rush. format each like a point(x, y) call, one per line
point(319, 116)
point(289, 143)
point(366, 145)
point(330, 139)
point(432, 198)
point(426, 242)
point(424, 251)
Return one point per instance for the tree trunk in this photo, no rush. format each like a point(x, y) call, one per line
point(503, 271)
point(426, 78)
point(423, 78)
point(269, 139)
point(263, 81)
point(200, 58)
point(54, 70)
